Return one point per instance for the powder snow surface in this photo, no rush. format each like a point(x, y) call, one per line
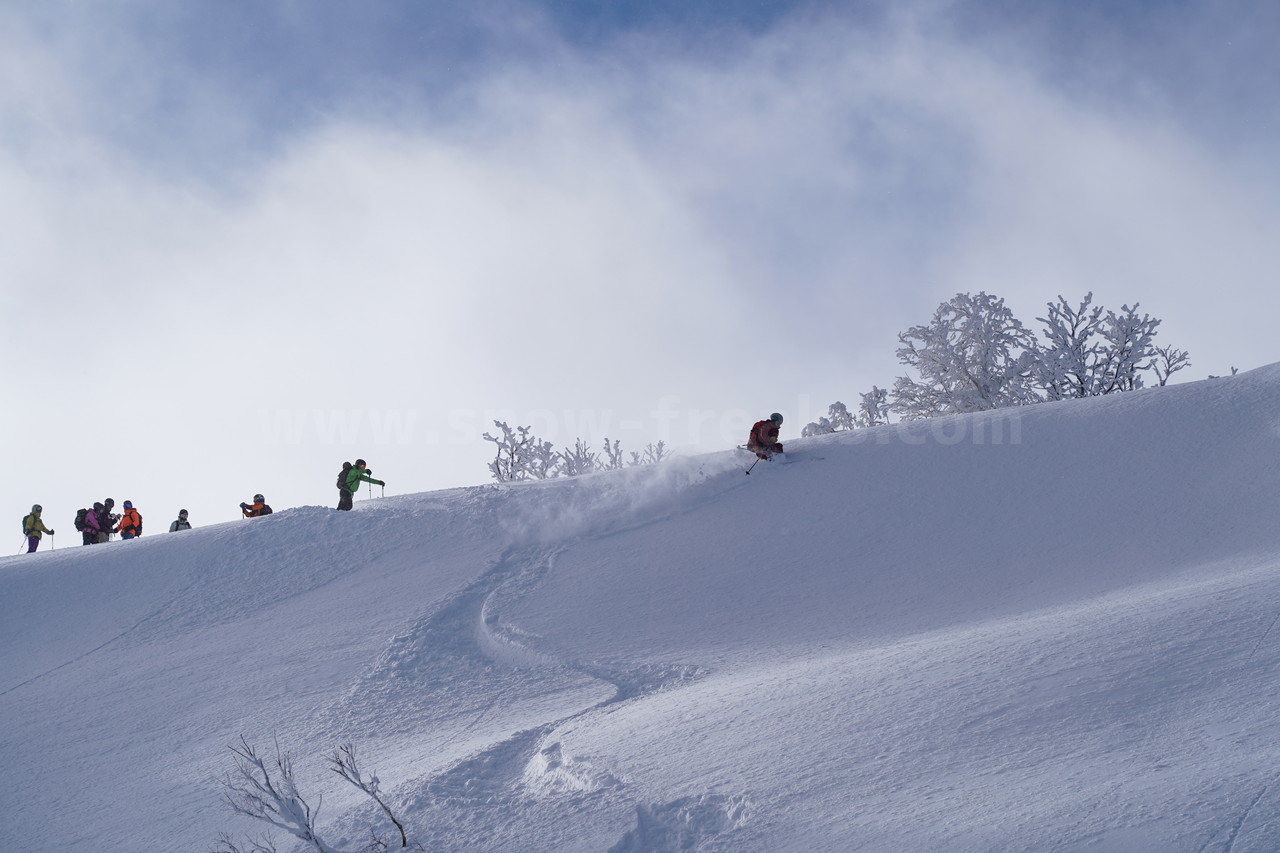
point(1043, 629)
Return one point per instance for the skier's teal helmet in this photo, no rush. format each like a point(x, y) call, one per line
point(776, 418)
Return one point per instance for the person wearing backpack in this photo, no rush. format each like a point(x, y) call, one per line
point(130, 526)
point(181, 523)
point(257, 508)
point(89, 526)
point(106, 519)
point(33, 527)
point(350, 479)
point(763, 440)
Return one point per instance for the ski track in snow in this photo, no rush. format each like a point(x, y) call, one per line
point(1233, 834)
point(159, 611)
point(468, 626)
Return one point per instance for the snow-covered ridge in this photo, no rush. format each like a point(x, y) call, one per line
point(867, 646)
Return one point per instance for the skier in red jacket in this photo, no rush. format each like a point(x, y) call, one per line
point(763, 440)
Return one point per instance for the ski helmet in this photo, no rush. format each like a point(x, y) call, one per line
point(360, 463)
point(37, 508)
point(182, 513)
point(776, 418)
point(109, 502)
point(259, 499)
point(128, 504)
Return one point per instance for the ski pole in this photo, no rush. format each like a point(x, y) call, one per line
point(23, 545)
point(753, 464)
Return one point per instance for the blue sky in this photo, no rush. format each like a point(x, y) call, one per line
point(252, 239)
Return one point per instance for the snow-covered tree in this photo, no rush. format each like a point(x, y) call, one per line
point(838, 419)
point(521, 456)
point(1128, 351)
point(1169, 361)
point(1087, 352)
point(512, 449)
point(580, 460)
point(652, 455)
point(613, 456)
point(1067, 365)
point(973, 356)
point(874, 409)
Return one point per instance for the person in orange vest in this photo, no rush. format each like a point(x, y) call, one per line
point(257, 508)
point(763, 440)
point(130, 526)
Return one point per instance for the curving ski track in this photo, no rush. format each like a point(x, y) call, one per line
point(464, 638)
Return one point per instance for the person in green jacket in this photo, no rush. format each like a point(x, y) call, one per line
point(34, 528)
point(352, 477)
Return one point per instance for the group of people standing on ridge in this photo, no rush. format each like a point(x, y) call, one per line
point(97, 523)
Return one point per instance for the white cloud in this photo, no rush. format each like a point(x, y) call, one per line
point(646, 243)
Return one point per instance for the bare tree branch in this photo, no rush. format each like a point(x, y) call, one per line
point(343, 762)
point(267, 792)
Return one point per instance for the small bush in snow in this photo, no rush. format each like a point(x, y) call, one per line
point(652, 455)
point(266, 790)
point(523, 456)
point(873, 411)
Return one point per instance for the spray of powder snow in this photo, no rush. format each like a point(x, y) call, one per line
point(600, 503)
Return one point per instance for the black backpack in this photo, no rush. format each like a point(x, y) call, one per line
point(25, 531)
point(80, 514)
point(266, 510)
point(342, 475)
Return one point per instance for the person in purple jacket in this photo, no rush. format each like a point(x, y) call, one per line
point(91, 526)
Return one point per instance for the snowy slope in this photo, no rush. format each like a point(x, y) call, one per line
point(1052, 628)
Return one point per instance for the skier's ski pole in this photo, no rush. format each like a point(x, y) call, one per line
point(23, 545)
point(753, 464)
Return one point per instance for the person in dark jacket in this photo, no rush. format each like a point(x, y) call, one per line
point(763, 440)
point(181, 523)
point(106, 519)
point(354, 475)
point(257, 508)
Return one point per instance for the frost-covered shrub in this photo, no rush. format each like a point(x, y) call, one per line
point(652, 454)
point(523, 456)
point(1088, 352)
